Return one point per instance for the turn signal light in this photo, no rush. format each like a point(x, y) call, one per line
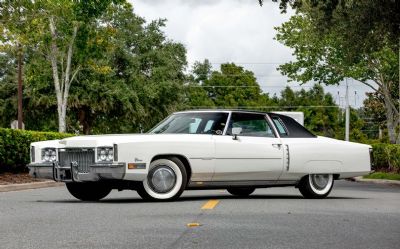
point(136, 165)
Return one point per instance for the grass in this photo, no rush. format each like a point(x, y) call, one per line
point(383, 175)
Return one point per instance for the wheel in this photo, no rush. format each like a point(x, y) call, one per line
point(316, 186)
point(166, 180)
point(241, 191)
point(88, 191)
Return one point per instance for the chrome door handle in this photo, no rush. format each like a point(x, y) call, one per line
point(278, 146)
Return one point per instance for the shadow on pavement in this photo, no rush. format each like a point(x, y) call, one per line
point(201, 198)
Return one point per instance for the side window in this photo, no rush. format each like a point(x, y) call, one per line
point(194, 125)
point(280, 126)
point(253, 125)
point(208, 126)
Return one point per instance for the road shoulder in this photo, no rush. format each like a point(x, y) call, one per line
point(31, 185)
point(377, 181)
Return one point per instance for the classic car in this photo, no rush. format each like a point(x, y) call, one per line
point(206, 149)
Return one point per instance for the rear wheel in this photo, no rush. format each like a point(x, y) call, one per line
point(88, 191)
point(166, 180)
point(241, 191)
point(316, 186)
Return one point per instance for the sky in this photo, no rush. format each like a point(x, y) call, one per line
point(238, 31)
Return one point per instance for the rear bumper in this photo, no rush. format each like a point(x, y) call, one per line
point(97, 172)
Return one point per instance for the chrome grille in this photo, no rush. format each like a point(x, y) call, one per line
point(83, 157)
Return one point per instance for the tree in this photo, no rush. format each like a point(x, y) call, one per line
point(57, 24)
point(233, 87)
point(130, 75)
point(134, 79)
point(333, 40)
point(196, 93)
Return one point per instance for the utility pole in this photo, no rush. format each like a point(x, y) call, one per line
point(19, 87)
point(347, 128)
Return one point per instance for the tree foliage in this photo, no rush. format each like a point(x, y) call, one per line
point(127, 74)
point(333, 40)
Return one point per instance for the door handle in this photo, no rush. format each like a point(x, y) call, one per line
point(278, 146)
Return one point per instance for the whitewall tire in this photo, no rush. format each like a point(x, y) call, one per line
point(316, 186)
point(166, 180)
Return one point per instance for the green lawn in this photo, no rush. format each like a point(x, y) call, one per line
point(383, 175)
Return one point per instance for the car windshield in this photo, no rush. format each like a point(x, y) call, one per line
point(193, 123)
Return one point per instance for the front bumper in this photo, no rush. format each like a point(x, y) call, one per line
point(97, 172)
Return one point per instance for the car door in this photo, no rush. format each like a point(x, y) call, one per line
point(256, 154)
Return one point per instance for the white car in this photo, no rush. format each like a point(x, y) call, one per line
point(218, 149)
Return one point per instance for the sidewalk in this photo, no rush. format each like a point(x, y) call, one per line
point(31, 185)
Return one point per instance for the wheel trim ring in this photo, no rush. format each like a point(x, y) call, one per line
point(162, 179)
point(320, 181)
point(325, 189)
point(174, 190)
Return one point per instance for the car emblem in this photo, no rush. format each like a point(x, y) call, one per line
point(74, 164)
point(138, 160)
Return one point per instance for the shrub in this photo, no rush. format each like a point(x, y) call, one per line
point(15, 150)
point(386, 157)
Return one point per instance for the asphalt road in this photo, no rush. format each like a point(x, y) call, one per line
point(355, 215)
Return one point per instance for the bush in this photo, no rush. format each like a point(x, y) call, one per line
point(386, 157)
point(15, 150)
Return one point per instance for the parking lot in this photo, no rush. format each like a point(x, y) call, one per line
point(355, 215)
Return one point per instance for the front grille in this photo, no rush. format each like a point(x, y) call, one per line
point(83, 158)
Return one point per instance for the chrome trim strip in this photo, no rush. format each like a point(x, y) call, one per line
point(229, 158)
point(227, 123)
point(201, 184)
point(287, 157)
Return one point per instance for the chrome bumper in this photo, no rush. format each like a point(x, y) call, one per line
point(114, 171)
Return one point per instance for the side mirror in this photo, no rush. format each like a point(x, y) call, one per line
point(235, 132)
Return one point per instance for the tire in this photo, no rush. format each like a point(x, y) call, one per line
point(242, 192)
point(166, 180)
point(92, 191)
point(316, 186)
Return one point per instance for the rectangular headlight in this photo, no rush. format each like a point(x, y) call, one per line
point(49, 155)
point(105, 154)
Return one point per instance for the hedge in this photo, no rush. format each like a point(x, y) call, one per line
point(15, 150)
point(386, 157)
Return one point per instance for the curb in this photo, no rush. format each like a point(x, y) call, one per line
point(377, 181)
point(31, 185)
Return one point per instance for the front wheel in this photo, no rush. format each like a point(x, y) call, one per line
point(166, 180)
point(88, 191)
point(242, 192)
point(316, 186)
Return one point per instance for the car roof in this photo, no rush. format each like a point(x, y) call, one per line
point(223, 110)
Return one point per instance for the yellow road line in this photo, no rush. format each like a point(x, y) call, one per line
point(210, 204)
point(194, 224)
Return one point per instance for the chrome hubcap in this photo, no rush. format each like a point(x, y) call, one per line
point(320, 181)
point(163, 179)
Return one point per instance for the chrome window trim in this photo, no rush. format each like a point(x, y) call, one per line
point(227, 124)
point(271, 123)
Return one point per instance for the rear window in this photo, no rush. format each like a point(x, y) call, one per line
point(288, 127)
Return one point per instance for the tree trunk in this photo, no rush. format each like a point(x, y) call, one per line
point(20, 117)
point(61, 85)
point(391, 116)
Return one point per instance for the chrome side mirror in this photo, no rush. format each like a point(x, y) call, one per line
point(235, 132)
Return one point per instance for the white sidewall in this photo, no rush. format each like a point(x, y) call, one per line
point(178, 182)
point(322, 191)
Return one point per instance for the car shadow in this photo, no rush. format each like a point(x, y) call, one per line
point(201, 198)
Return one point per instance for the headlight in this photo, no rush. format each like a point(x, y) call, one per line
point(105, 154)
point(49, 155)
